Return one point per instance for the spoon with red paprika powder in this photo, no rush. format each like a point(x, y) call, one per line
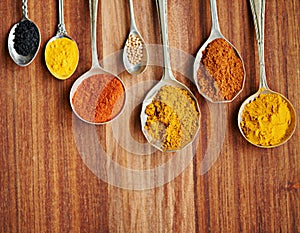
point(219, 71)
point(97, 97)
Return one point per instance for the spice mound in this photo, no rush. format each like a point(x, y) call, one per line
point(134, 49)
point(99, 98)
point(26, 39)
point(173, 118)
point(266, 120)
point(61, 56)
point(221, 73)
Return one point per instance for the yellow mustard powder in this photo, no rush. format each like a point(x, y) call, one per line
point(173, 118)
point(61, 57)
point(266, 119)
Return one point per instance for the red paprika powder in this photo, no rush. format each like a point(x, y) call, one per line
point(99, 98)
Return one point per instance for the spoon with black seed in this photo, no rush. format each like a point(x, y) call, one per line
point(24, 39)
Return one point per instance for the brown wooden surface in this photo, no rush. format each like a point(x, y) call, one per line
point(45, 185)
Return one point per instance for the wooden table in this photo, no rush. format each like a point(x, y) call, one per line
point(60, 175)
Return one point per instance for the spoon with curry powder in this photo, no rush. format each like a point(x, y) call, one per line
point(61, 53)
point(219, 71)
point(24, 39)
point(97, 97)
point(163, 129)
point(266, 119)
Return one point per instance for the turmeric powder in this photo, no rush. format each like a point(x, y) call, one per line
point(266, 120)
point(173, 118)
point(61, 56)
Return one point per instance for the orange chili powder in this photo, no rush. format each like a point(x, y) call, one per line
point(221, 72)
point(99, 98)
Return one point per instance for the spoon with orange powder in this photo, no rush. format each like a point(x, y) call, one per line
point(98, 96)
point(219, 72)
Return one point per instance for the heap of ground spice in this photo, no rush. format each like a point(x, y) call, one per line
point(172, 118)
point(61, 56)
point(221, 72)
point(266, 120)
point(99, 98)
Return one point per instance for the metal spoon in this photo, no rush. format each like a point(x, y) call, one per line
point(96, 69)
point(61, 33)
point(138, 65)
point(258, 11)
point(167, 77)
point(214, 34)
point(17, 58)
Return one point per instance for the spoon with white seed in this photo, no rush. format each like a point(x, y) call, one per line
point(135, 54)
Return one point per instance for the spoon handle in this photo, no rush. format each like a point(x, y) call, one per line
point(214, 16)
point(61, 24)
point(162, 14)
point(24, 9)
point(93, 16)
point(132, 20)
point(258, 12)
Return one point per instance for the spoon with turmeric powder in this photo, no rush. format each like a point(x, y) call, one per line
point(61, 53)
point(97, 97)
point(266, 119)
point(219, 71)
point(170, 115)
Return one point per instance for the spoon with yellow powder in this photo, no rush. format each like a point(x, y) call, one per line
point(61, 53)
point(266, 119)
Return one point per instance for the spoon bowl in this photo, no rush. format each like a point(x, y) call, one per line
point(214, 34)
point(291, 128)
point(101, 74)
point(135, 53)
point(137, 66)
point(17, 58)
point(165, 81)
point(60, 36)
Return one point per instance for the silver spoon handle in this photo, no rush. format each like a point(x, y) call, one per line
point(214, 16)
point(93, 14)
point(24, 9)
point(258, 11)
point(162, 14)
point(61, 24)
point(132, 20)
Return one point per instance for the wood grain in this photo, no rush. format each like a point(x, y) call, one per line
point(45, 183)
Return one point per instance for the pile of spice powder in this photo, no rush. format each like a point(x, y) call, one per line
point(134, 49)
point(99, 98)
point(266, 120)
point(221, 72)
point(172, 118)
point(61, 56)
point(26, 39)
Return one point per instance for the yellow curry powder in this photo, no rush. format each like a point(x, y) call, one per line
point(173, 118)
point(266, 119)
point(61, 57)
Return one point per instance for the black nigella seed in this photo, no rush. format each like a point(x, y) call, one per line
point(26, 39)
